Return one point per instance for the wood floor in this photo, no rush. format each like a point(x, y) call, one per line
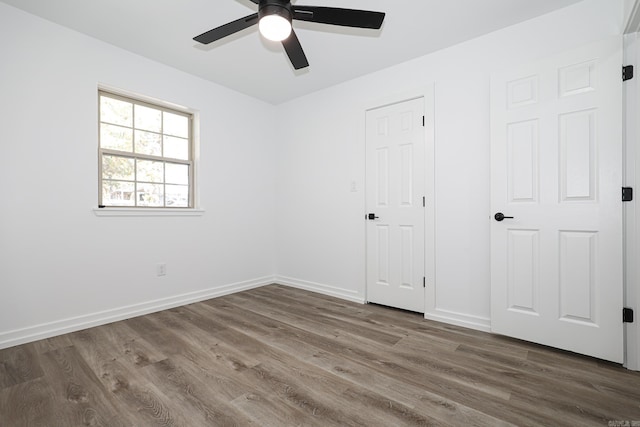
point(277, 356)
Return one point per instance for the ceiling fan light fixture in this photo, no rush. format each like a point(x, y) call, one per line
point(274, 27)
point(275, 19)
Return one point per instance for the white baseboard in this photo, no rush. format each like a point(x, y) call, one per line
point(459, 319)
point(64, 326)
point(332, 291)
point(444, 316)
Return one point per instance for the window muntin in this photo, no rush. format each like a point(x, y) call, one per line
point(145, 154)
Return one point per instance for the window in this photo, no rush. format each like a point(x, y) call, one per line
point(145, 154)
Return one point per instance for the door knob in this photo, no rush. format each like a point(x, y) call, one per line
point(500, 216)
point(372, 216)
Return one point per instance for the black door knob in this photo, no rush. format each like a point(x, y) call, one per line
point(372, 216)
point(500, 216)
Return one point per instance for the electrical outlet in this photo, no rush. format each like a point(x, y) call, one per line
point(161, 269)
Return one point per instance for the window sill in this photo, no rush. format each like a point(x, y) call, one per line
point(147, 212)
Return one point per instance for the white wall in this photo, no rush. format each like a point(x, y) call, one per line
point(320, 226)
point(61, 266)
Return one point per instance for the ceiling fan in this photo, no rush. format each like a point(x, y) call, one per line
point(274, 19)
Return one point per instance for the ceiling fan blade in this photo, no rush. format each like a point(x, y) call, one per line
point(294, 50)
point(337, 16)
point(227, 29)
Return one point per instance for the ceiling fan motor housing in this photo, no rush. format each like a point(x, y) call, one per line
point(275, 7)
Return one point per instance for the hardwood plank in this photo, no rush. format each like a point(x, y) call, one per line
point(408, 395)
point(183, 322)
point(200, 399)
point(281, 376)
point(53, 343)
point(199, 361)
point(19, 364)
point(299, 396)
point(293, 338)
point(30, 403)
point(452, 386)
point(131, 346)
point(115, 342)
point(400, 322)
point(345, 343)
point(140, 400)
point(396, 394)
point(230, 368)
point(561, 373)
point(80, 398)
point(261, 386)
point(269, 411)
point(301, 308)
point(279, 356)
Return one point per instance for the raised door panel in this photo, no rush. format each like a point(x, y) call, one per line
point(382, 181)
point(523, 273)
point(522, 148)
point(406, 175)
point(578, 261)
point(407, 257)
point(578, 163)
point(383, 254)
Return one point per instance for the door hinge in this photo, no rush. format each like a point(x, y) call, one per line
point(424, 282)
point(627, 315)
point(627, 194)
point(627, 72)
point(422, 121)
point(424, 202)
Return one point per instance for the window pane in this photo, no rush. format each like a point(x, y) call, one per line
point(150, 171)
point(116, 111)
point(150, 195)
point(148, 143)
point(145, 151)
point(177, 196)
point(116, 138)
point(176, 148)
point(118, 193)
point(115, 167)
point(148, 118)
point(175, 125)
point(176, 174)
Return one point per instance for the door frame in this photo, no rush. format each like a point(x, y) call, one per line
point(631, 169)
point(631, 214)
point(427, 94)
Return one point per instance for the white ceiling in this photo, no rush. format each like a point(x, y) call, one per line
point(163, 30)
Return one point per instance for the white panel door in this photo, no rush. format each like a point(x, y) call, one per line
point(395, 185)
point(556, 153)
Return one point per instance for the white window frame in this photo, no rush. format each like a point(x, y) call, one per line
point(123, 210)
